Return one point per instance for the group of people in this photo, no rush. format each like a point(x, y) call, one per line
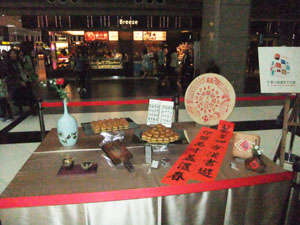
point(17, 74)
point(168, 66)
point(164, 62)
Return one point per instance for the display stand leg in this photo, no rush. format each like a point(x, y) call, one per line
point(41, 119)
point(284, 130)
point(176, 107)
point(288, 121)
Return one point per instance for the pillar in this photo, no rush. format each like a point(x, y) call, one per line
point(225, 38)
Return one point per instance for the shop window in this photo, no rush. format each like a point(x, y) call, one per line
point(79, 22)
point(196, 22)
point(172, 23)
point(113, 21)
point(258, 27)
point(63, 21)
point(52, 21)
point(185, 22)
point(29, 22)
point(155, 22)
point(96, 22)
point(142, 21)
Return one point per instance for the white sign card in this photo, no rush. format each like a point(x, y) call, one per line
point(279, 69)
point(160, 112)
point(137, 35)
point(113, 35)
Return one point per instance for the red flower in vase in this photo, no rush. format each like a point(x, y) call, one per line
point(60, 81)
point(57, 84)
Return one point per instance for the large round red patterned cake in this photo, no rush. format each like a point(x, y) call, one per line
point(209, 98)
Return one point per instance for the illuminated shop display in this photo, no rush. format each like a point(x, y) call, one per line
point(96, 36)
point(113, 35)
point(149, 36)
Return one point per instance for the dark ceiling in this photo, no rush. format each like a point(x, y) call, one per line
point(275, 9)
point(101, 7)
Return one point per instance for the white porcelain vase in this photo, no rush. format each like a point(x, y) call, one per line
point(67, 128)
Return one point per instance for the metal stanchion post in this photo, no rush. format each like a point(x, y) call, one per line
point(41, 119)
point(176, 106)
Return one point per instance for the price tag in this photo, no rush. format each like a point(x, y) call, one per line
point(154, 164)
point(148, 154)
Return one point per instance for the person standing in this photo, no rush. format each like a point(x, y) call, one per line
point(186, 71)
point(80, 69)
point(186, 63)
point(28, 76)
point(146, 63)
point(125, 63)
point(6, 112)
point(212, 67)
point(15, 84)
point(174, 62)
point(161, 61)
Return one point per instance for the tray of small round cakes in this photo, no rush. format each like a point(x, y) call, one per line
point(105, 125)
point(159, 134)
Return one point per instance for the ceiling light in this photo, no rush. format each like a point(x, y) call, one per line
point(74, 32)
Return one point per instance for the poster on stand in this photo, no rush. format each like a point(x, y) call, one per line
point(279, 69)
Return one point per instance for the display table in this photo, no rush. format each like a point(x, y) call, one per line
point(37, 195)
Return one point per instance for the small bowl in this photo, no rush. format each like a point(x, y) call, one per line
point(68, 162)
point(86, 165)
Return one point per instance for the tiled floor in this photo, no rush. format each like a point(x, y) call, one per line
point(13, 156)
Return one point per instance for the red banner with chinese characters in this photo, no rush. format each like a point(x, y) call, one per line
point(203, 157)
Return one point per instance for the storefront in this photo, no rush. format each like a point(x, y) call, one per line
point(110, 50)
point(110, 42)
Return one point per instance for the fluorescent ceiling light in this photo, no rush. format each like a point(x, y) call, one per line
point(10, 25)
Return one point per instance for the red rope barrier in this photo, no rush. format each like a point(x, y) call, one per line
point(260, 98)
point(146, 101)
point(102, 103)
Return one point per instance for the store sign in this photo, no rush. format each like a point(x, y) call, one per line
point(137, 35)
point(149, 35)
point(128, 22)
point(61, 38)
point(96, 36)
point(279, 70)
point(154, 35)
point(113, 35)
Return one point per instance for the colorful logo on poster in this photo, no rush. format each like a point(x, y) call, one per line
point(280, 66)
